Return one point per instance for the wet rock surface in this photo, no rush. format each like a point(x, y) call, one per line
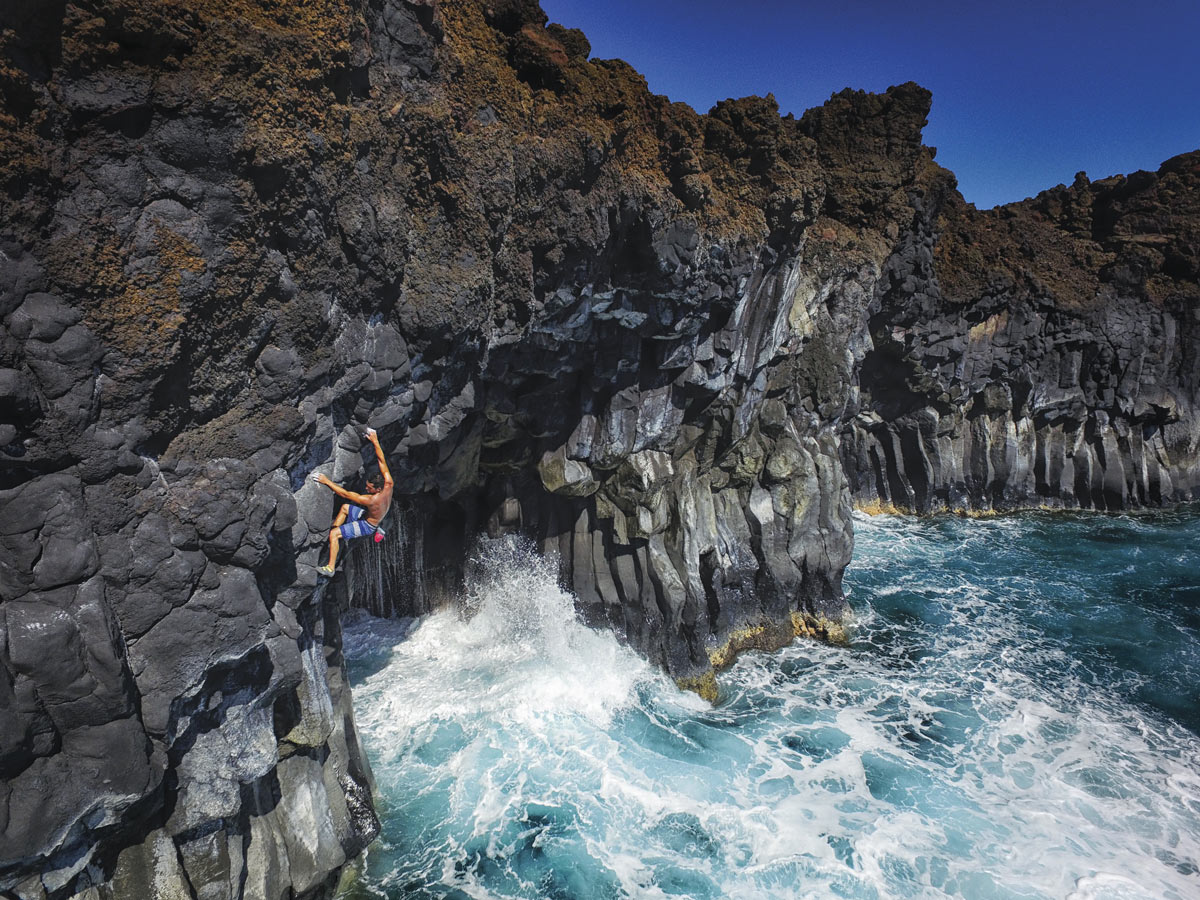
point(671, 349)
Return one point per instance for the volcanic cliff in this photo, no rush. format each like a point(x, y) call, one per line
point(670, 349)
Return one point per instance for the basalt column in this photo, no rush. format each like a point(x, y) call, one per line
point(1040, 354)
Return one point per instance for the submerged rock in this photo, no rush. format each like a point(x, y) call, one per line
point(673, 349)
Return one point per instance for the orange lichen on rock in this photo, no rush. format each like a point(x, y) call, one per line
point(144, 314)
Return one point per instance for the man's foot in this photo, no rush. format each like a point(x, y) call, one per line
point(327, 571)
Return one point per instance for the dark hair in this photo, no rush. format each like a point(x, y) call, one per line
point(374, 477)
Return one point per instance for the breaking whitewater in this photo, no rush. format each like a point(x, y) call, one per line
point(1016, 717)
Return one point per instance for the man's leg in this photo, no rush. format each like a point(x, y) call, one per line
point(348, 511)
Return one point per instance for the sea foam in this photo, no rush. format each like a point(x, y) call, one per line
point(972, 742)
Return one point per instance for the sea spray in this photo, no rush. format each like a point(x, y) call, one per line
point(514, 650)
point(989, 734)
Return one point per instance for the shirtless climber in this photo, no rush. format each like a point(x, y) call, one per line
point(364, 511)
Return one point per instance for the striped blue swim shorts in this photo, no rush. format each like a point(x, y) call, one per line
point(356, 525)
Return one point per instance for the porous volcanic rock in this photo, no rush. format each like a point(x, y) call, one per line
point(670, 349)
point(1045, 353)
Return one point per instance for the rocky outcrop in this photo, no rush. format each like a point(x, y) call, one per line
point(669, 348)
point(1038, 354)
point(174, 726)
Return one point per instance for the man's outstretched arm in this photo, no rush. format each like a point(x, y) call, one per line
point(373, 437)
point(360, 499)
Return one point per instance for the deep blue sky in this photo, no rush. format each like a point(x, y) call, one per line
point(1025, 94)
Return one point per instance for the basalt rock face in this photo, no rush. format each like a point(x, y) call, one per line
point(655, 343)
point(1040, 354)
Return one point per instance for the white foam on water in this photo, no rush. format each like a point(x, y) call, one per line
point(522, 754)
point(1110, 886)
point(1046, 779)
point(517, 655)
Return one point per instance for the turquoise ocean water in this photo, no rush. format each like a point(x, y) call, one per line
point(1018, 716)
